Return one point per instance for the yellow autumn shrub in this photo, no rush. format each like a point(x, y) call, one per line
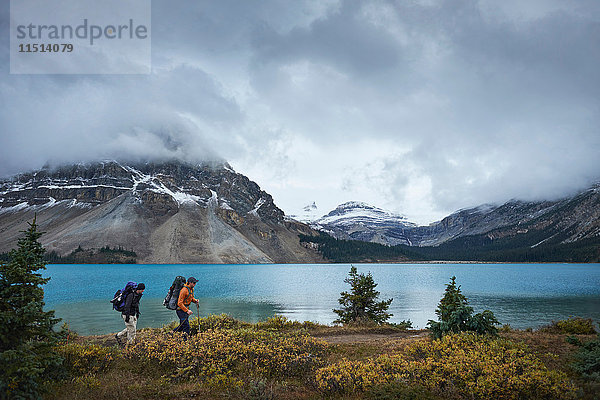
point(457, 366)
point(84, 359)
point(212, 322)
point(571, 325)
point(230, 356)
point(281, 323)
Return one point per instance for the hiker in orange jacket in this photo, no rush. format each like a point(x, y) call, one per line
point(186, 297)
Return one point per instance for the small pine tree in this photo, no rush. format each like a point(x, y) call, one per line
point(453, 309)
point(27, 338)
point(455, 315)
point(361, 305)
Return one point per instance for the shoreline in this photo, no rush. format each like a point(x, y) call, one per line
point(436, 262)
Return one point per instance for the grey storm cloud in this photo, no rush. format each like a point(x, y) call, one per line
point(463, 102)
point(172, 113)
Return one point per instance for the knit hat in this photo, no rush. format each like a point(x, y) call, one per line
point(140, 286)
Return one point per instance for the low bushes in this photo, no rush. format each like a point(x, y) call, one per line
point(587, 358)
point(227, 357)
point(281, 323)
point(586, 364)
point(457, 366)
point(399, 391)
point(212, 322)
point(572, 326)
point(87, 359)
point(225, 321)
point(278, 358)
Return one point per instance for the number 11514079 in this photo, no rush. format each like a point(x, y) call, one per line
point(45, 48)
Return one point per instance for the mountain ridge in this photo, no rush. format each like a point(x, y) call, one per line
point(168, 212)
point(178, 212)
point(504, 227)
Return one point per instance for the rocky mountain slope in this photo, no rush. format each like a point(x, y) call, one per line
point(169, 212)
point(528, 223)
point(360, 221)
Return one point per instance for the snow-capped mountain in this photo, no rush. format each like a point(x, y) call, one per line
point(525, 223)
point(361, 221)
point(308, 214)
point(170, 212)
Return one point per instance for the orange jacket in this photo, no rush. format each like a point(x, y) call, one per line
point(186, 296)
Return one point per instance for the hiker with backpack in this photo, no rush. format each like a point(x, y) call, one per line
point(185, 298)
point(128, 302)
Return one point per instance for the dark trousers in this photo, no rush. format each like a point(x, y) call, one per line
point(184, 321)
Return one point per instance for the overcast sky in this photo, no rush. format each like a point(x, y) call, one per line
point(420, 107)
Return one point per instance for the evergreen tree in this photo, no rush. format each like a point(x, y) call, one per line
point(455, 315)
point(27, 339)
point(361, 303)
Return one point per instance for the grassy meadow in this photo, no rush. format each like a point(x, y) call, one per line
point(226, 358)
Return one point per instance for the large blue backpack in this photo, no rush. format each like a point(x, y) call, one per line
point(118, 301)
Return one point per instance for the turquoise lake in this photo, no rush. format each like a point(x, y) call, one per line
point(522, 295)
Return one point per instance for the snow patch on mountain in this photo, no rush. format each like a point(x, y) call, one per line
point(17, 207)
point(355, 212)
point(307, 214)
point(225, 205)
point(361, 221)
point(52, 202)
point(157, 186)
point(257, 205)
point(81, 187)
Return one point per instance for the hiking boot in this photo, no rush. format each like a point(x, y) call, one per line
point(118, 340)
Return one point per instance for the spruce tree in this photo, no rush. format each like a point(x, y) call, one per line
point(361, 305)
point(27, 338)
point(455, 315)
